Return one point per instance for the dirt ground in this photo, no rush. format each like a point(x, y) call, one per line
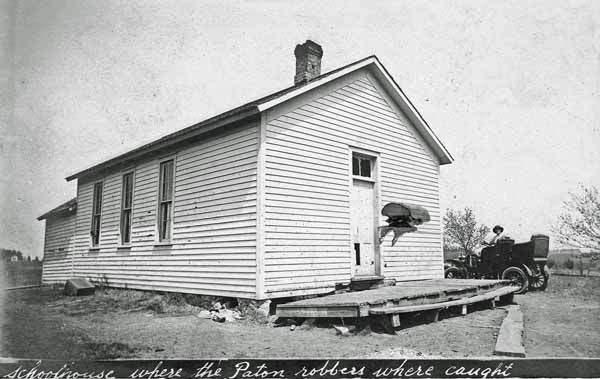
point(42, 323)
point(563, 321)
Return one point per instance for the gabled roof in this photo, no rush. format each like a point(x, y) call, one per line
point(254, 108)
point(68, 206)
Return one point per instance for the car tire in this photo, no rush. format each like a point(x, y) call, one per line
point(517, 278)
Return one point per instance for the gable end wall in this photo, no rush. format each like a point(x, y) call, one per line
point(307, 187)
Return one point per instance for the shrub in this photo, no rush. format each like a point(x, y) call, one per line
point(550, 263)
point(174, 298)
point(569, 264)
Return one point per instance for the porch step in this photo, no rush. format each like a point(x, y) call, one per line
point(361, 283)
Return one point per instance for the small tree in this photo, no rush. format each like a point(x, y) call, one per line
point(461, 230)
point(579, 223)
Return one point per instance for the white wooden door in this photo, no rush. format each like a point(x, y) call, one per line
point(362, 223)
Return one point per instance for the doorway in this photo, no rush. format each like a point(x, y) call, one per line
point(363, 216)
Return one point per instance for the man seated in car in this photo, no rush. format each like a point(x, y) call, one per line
point(490, 240)
point(493, 237)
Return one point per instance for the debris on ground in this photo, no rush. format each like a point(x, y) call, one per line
point(263, 312)
point(218, 318)
point(219, 312)
point(344, 330)
point(255, 310)
point(309, 323)
point(204, 314)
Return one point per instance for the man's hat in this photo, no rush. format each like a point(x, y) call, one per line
point(498, 227)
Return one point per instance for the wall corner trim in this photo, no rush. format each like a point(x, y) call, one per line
point(260, 207)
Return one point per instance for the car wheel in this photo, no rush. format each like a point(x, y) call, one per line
point(454, 273)
point(517, 278)
point(539, 282)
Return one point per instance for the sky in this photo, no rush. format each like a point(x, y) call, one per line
point(512, 88)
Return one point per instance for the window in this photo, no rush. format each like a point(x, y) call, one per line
point(96, 213)
point(165, 200)
point(126, 206)
point(361, 166)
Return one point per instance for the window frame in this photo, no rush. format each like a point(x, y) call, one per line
point(361, 158)
point(124, 209)
point(95, 237)
point(159, 240)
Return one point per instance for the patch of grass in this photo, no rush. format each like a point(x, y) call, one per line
point(104, 300)
point(111, 350)
point(126, 300)
point(584, 288)
point(201, 301)
point(170, 303)
point(17, 274)
point(174, 298)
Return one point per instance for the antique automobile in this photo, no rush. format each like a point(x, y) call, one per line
point(522, 263)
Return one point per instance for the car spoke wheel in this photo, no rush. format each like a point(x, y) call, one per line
point(539, 281)
point(517, 278)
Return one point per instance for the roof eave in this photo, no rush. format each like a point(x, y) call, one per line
point(195, 130)
point(255, 108)
point(427, 133)
point(69, 206)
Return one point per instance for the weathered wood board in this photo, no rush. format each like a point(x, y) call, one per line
point(426, 294)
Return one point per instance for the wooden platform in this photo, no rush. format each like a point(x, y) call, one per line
point(404, 297)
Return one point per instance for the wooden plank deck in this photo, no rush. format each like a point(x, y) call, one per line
point(401, 298)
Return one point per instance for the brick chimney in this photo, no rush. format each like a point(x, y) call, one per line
point(308, 61)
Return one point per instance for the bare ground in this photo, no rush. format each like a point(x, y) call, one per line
point(563, 321)
point(42, 323)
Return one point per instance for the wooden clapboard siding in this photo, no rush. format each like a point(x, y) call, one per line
point(58, 249)
point(213, 244)
point(264, 211)
point(307, 194)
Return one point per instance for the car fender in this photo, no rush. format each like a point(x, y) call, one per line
point(454, 263)
point(527, 270)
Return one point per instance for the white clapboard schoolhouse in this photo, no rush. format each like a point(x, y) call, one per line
point(278, 197)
